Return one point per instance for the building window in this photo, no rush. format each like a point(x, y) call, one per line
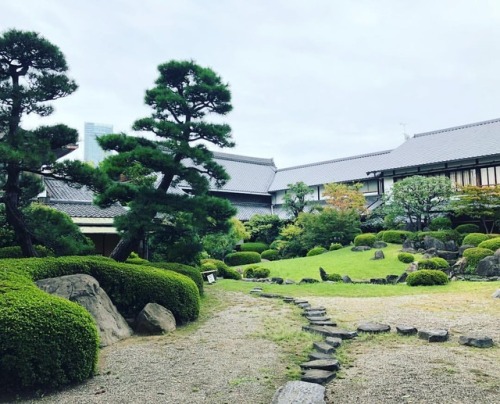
point(463, 177)
point(490, 176)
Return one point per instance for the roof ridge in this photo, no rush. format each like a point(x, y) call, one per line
point(470, 125)
point(245, 159)
point(359, 156)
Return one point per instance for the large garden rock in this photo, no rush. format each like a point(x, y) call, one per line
point(432, 242)
point(450, 245)
point(346, 279)
point(373, 327)
point(408, 245)
point(379, 255)
point(489, 266)
point(459, 267)
point(412, 267)
point(402, 277)
point(379, 244)
point(433, 335)
point(300, 392)
point(476, 341)
point(447, 255)
point(463, 248)
point(85, 290)
point(155, 319)
point(361, 248)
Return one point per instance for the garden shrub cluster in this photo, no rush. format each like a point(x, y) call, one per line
point(254, 246)
point(475, 239)
point(427, 277)
point(334, 277)
point(189, 271)
point(271, 255)
point(15, 252)
point(242, 258)
point(222, 269)
point(491, 244)
point(476, 254)
point(407, 258)
point(433, 263)
point(467, 228)
point(366, 239)
point(395, 236)
point(335, 246)
point(440, 223)
point(45, 341)
point(256, 272)
point(316, 251)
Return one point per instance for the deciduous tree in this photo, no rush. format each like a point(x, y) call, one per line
point(345, 198)
point(295, 199)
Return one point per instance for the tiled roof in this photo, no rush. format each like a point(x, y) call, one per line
point(339, 170)
point(458, 143)
point(61, 191)
point(83, 209)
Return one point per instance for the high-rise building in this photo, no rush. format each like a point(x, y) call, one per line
point(92, 152)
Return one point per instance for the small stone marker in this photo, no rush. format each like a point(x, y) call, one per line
point(299, 392)
point(323, 364)
point(373, 327)
point(319, 355)
point(317, 376)
point(334, 341)
point(433, 335)
point(406, 330)
point(379, 255)
point(476, 341)
point(323, 347)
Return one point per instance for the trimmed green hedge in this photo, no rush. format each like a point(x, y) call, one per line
point(271, 255)
point(366, 239)
point(222, 269)
point(395, 236)
point(427, 277)
point(475, 239)
point(256, 272)
point(407, 258)
point(474, 255)
point(491, 244)
point(255, 247)
point(335, 246)
point(242, 258)
point(334, 277)
point(467, 228)
point(15, 252)
point(190, 272)
point(45, 341)
point(316, 251)
point(433, 263)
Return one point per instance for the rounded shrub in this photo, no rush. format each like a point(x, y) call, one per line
point(255, 247)
point(407, 258)
point(427, 277)
point(474, 255)
point(440, 223)
point(256, 272)
point(491, 244)
point(222, 269)
point(433, 263)
point(189, 271)
point(316, 251)
point(475, 239)
point(395, 236)
point(380, 235)
point(335, 246)
point(208, 266)
point(366, 239)
point(467, 228)
point(271, 255)
point(45, 341)
point(334, 277)
point(242, 258)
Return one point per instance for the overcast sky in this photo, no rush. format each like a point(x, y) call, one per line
point(310, 80)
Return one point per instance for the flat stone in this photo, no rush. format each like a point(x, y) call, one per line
point(319, 355)
point(324, 364)
point(334, 341)
point(406, 330)
point(433, 335)
point(315, 309)
point(317, 376)
point(271, 296)
point(373, 327)
point(304, 305)
point(330, 331)
point(288, 299)
point(300, 301)
point(323, 322)
point(318, 318)
point(476, 341)
point(254, 290)
point(299, 392)
point(323, 347)
point(316, 313)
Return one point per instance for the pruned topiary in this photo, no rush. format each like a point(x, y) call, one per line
point(316, 251)
point(405, 257)
point(271, 255)
point(366, 239)
point(474, 255)
point(427, 277)
point(475, 239)
point(242, 258)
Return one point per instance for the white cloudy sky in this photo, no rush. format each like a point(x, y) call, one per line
point(311, 80)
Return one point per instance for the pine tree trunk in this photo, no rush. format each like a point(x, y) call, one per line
point(123, 249)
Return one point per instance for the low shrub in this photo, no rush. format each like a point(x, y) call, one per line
point(316, 251)
point(407, 258)
point(335, 246)
point(222, 269)
point(467, 228)
point(255, 247)
point(271, 255)
point(475, 239)
point(440, 223)
point(380, 235)
point(433, 263)
point(366, 239)
point(189, 271)
point(474, 255)
point(242, 258)
point(491, 244)
point(256, 272)
point(45, 341)
point(427, 277)
point(208, 266)
point(15, 252)
point(334, 277)
point(395, 236)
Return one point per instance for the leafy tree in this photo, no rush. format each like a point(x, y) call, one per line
point(218, 245)
point(419, 197)
point(295, 199)
point(184, 95)
point(481, 203)
point(264, 228)
point(32, 73)
point(344, 197)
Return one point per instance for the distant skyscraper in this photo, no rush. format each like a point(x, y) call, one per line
point(92, 152)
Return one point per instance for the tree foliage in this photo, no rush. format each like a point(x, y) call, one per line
point(264, 228)
point(481, 203)
point(345, 198)
point(295, 199)
point(218, 245)
point(184, 95)
point(418, 197)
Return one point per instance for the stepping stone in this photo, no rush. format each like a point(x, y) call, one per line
point(406, 330)
point(330, 331)
point(288, 299)
point(299, 392)
point(476, 341)
point(323, 364)
point(317, 376)
point(256, 290)
point(319, 355)
point(323, 322)
point(299, 301)
point(316, 313)
point(373, 328)
point(315, 309)
point(433, 335)
point(304, 305)
point(323, 347)
point(318, 318)
point(271, 296)
point(334, 341)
